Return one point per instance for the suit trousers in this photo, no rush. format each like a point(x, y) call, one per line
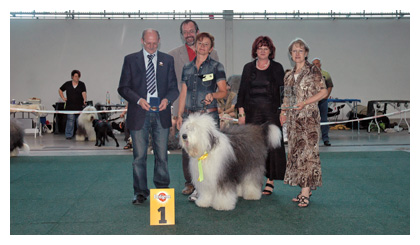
point(140, 140)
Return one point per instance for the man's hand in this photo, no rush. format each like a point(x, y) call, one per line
point(143, 103)
point(163, 104)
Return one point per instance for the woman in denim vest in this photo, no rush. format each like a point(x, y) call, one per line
point(203, 82)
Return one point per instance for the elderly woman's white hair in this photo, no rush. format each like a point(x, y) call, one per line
point(301, 42)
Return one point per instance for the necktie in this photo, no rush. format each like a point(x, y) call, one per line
point(150, 75)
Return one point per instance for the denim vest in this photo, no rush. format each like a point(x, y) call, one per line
point(201, 82)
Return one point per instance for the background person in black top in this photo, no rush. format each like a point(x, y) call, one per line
point(75, 100)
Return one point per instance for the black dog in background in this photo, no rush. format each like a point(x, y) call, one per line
point(103, 129)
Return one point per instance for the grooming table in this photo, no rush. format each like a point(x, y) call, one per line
point(37, 116)
point(375, 105)
point(352, 103)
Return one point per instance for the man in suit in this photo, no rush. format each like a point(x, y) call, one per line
point(183, 55)
point(148, 77)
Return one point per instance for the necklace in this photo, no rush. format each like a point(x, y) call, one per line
point(264, 66)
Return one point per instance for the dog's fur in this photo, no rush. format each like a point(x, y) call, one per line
point(103, 129)
point(235, 164)
point(85, 131)
point(17, 138)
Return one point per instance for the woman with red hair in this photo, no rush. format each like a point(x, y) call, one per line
point(259, 101)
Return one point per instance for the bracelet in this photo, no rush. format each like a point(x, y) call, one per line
point(304, 102)
point(241, 115)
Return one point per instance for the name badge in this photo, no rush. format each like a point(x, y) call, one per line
point(208, 77)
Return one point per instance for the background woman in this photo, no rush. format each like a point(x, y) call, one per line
point(259, 100)
point(303, 164)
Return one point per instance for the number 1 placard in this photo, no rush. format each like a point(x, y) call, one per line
point(162, 207)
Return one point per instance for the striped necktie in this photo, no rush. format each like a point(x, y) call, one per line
point(150, 75)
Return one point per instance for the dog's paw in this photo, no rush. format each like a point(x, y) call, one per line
point(202, 203)
point(252, 195)
point(224, 206)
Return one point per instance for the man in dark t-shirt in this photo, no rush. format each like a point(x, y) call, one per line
point(75, 100)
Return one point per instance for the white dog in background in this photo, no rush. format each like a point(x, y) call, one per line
point(17, 135)
point(232, 160)
point(85, 129)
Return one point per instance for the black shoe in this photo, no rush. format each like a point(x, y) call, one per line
point(139, 200)
point(69, 138)
point(327, 143)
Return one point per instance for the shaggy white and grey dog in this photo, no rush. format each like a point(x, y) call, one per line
point(17, 136)
point(85, 130)
point(235, 162)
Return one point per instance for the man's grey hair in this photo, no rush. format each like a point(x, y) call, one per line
point(316, 59)
point(147, 30)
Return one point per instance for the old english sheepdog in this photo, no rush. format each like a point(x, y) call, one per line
point(231, 162)
point(85, 130)
point(17, 136)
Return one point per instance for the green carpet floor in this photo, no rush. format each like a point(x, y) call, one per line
point(363, 193)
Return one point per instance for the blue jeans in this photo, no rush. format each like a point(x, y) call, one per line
point(323, 111)
point(71, 122)
point(140, 140)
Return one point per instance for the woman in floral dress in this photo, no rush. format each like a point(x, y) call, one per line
point(303, 166)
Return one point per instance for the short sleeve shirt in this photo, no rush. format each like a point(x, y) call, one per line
point(74, 95)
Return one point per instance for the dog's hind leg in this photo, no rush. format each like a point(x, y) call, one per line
point(112, 136)
point(251, 190)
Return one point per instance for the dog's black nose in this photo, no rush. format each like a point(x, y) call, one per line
point(184, 136)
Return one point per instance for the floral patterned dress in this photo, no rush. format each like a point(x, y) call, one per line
point(303, 167)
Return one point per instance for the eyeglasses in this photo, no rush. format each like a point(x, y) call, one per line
point(192, 31)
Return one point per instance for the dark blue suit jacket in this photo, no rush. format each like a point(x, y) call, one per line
point(132, 87)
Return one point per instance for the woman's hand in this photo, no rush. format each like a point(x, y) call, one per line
point(179, 123)
point(209, 98)
point(241, 120)
point(300, 105)
point(283, 119)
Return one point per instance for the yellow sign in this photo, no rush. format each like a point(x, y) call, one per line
point(162, 207)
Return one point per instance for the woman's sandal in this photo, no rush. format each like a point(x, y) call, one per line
point(303, 202)
point(268, 192)
point(297, 198)
point(128, 146)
